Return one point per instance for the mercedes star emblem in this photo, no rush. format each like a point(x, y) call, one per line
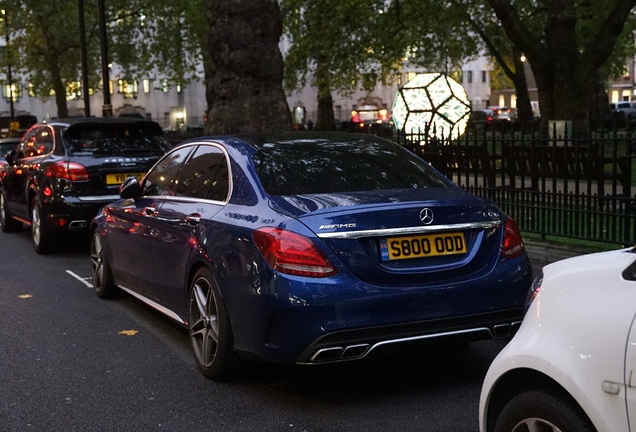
point(426, 216)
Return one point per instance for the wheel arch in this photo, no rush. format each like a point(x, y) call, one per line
point(518, 381)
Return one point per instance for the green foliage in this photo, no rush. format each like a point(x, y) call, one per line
point(144, 36)
point(44, 42)
point(167, 36)
point(339, 44)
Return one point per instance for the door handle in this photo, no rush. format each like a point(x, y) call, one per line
point(149, 211)
point(193, 219)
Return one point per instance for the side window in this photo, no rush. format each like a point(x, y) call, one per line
point(160, 181)
point(45, 141)
point(37, 142)
point(28, 144)
point(205, 176)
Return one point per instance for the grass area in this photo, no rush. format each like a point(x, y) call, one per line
point(591, 246)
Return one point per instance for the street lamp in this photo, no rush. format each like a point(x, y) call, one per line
point(87, 104)
point(107, 108)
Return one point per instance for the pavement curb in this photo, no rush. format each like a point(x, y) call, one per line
point(544, 252)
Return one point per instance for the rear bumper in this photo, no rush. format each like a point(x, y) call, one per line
point(74, 213)
point(356, 344)
point(291, 320)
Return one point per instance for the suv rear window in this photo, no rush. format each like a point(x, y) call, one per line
point(115, 138)
point(326, 166)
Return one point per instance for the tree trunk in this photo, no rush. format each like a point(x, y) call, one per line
point(245, 91)
point(566, 74)
point(326, 117)
point(524, 107)
point(60, 89)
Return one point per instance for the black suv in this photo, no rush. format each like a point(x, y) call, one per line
point(63, 171)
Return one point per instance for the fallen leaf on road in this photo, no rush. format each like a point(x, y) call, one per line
point(129, 332)
point(25, 296)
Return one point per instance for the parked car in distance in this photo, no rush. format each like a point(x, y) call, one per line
point(7, 145)
point(625, 107)
point(63, 171)
point(502, 114)
point(309, 248)
point(571, 365)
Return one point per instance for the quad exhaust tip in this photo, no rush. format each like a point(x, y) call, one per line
point(332, 354)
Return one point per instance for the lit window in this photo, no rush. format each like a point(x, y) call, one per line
point(178, 88)
point(146, 84)
point(110, 87)
point(410, 76)
point(626, 95)
point(73, 90)
point(129, 88)
point(12, 92)
point(31, 91)
point(165, 85)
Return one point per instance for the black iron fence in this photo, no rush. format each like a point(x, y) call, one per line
point(580, 187)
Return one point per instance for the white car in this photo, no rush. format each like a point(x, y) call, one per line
point(571, 367)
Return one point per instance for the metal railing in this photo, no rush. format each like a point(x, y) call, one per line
point(581, 187)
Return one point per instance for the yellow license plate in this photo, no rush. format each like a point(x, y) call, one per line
point(421, 246)
point(113, 179)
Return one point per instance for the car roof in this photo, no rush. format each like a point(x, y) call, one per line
point(258, 140)
point(96, 120)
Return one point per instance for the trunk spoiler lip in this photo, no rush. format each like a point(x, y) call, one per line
point(389, 232)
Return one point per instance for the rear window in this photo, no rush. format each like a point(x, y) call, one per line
point(116, 138)
point(326, 166)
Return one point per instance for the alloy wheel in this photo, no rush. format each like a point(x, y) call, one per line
point(204, 328)
point(36, 227)
point(97, 265)
point(3, 215)
point(535, 424)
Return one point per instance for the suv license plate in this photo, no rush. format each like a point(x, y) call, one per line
point(113, 179)
point(420, 246)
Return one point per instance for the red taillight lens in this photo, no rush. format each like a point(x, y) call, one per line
point(512, 242)
point(292, 253)
point(67, 170)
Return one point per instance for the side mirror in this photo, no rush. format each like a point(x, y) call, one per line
point(130, 188)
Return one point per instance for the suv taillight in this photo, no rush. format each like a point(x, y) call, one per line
point(67, 170)
point(292, 253)
point(512, 242)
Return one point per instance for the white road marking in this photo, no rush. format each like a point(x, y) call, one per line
point(81, 279)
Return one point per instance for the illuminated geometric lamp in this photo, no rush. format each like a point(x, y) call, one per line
point(433, 104)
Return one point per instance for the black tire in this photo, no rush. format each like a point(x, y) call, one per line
point(6, 220)
point(210, 330)
point(43, 238)
point(103, 281)
point(545, 411)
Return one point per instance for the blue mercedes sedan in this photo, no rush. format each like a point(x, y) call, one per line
point(309, 248)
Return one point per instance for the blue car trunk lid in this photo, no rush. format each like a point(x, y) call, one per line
point(404, 237)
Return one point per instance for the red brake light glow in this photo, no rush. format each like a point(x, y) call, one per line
point(292, 253)
point(67, 170)
point(512, 241)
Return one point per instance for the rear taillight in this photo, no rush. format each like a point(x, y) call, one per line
point(67, 170)
point(292, 253)
point(512, 242)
